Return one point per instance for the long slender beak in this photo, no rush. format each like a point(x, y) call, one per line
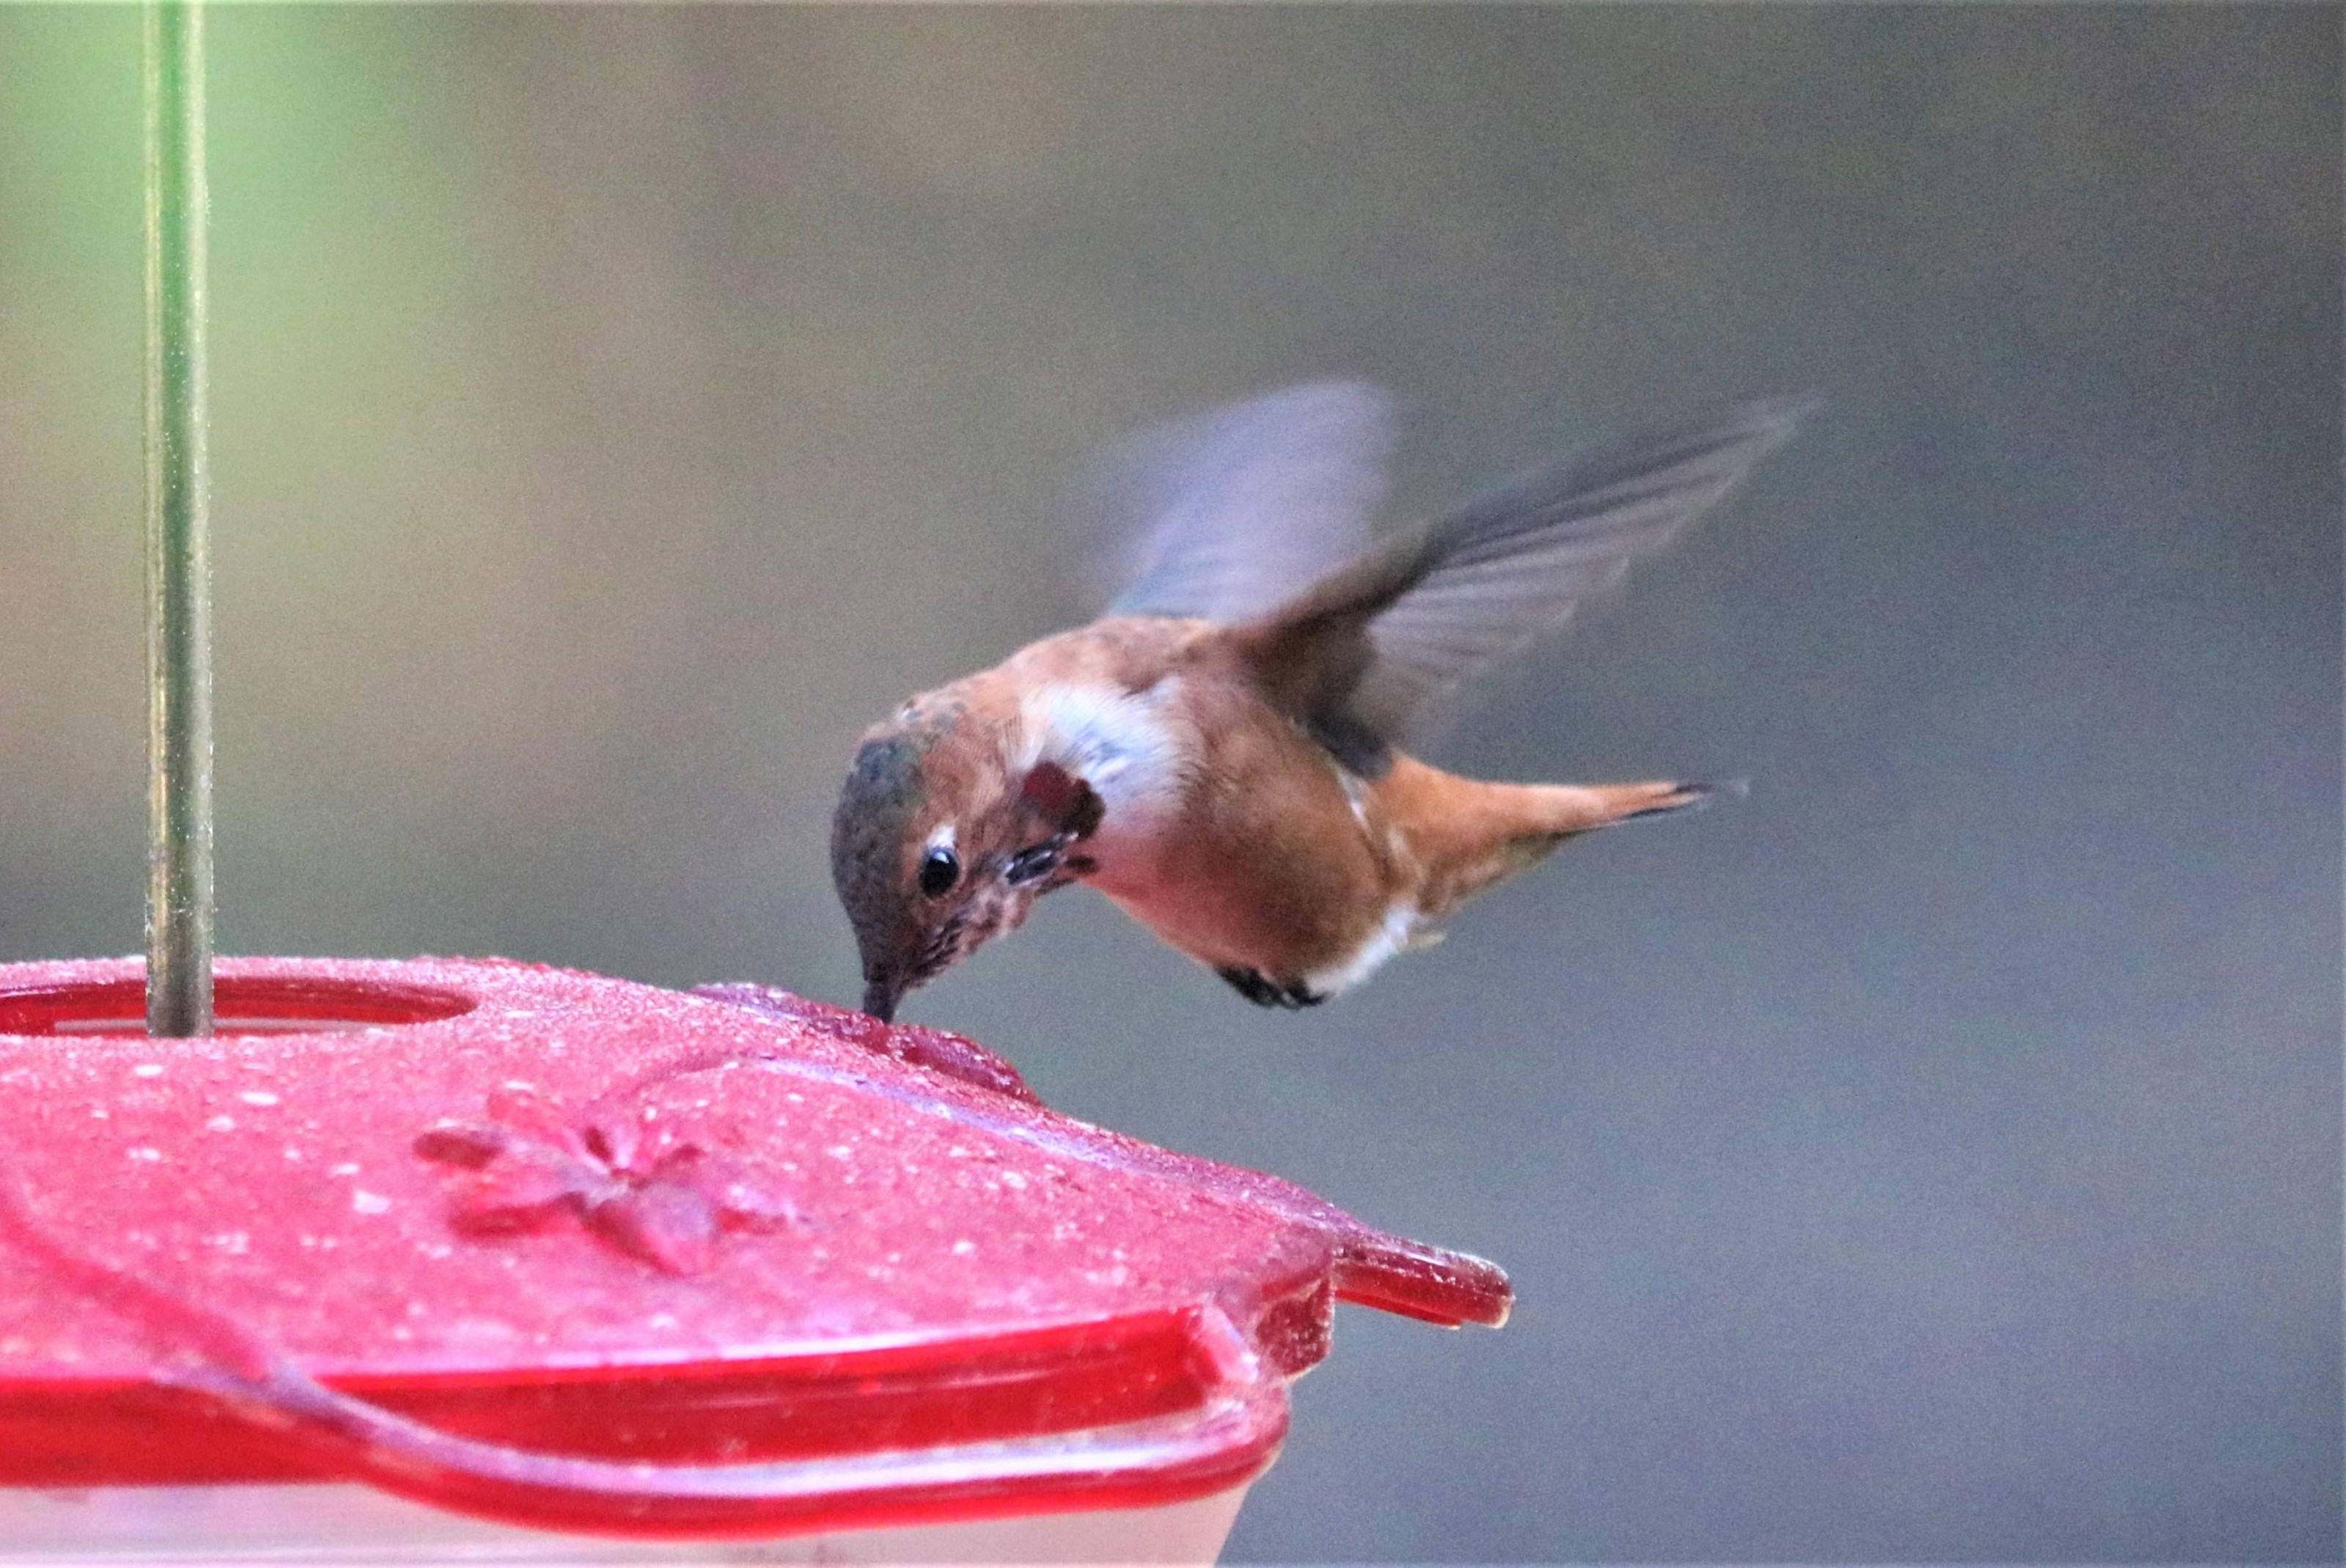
point(880, 998)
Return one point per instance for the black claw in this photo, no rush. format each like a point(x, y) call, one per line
point(1252, 985)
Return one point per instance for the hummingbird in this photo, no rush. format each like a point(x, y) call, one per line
point(1221, 753)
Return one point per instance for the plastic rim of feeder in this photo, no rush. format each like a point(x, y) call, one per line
point(565, 1251)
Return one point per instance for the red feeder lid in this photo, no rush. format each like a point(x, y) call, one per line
point(573, 1252)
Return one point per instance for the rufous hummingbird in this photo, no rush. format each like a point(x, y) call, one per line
point(1221, 753)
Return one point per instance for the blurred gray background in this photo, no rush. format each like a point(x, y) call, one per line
point(1935, 1156)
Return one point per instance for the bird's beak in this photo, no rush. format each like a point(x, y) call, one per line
point(880, 998)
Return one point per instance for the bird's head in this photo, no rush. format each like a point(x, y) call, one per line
point(944, 838)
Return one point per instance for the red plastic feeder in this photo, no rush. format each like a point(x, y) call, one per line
point(549, 1249)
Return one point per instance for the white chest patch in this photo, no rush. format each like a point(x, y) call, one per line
point(1396, 934)
point(1129, 746)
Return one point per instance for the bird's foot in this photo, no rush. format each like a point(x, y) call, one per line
point(1252, 984)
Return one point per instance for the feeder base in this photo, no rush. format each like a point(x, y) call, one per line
point(334, 1523)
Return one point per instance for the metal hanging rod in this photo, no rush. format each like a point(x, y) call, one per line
point(178, 545)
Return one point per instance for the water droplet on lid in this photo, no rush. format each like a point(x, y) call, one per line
point(367, 1202)
point(221, 1124)
point(147, 1070)
point(256, 1098)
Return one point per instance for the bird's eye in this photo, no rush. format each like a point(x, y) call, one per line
point(940, 870)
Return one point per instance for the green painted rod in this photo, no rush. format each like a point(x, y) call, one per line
point(178, 547)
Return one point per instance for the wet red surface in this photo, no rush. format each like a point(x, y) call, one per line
point(568, 1250)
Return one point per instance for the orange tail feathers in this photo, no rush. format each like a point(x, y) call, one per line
point(1469, 834)
point(1578, 808)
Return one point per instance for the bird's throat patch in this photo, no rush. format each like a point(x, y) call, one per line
point(1063, 800)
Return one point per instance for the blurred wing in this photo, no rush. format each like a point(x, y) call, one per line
point(1368, 651)
point(1519, 561)
point(1235, 512)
